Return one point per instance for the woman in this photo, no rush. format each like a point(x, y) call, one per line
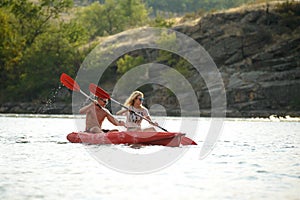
point(134, 103)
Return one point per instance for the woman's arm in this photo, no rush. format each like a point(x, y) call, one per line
point(151, 122)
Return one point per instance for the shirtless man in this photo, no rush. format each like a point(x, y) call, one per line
point(95, 115)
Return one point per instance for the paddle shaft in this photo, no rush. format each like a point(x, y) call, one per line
point(185, 140)
point(87, 96)
point(137, 114)
point(98, 91)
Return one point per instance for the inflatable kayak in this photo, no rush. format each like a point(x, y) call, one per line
point(146, 138)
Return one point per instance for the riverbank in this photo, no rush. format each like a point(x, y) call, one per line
point(66, 108)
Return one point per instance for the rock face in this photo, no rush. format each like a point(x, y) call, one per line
point(257, 52)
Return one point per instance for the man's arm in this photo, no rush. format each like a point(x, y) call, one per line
point(121, 112)
point(113, 120)
point(84, 109)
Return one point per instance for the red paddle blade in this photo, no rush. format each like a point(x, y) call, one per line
point(187, 141)
point(98, 91)
point(68, 82)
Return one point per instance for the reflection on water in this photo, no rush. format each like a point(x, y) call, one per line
point(253, 159)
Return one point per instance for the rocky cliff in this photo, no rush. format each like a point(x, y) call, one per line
point(257, 51)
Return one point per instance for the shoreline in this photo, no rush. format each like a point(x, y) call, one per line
point(60, 108)
point(271, 118)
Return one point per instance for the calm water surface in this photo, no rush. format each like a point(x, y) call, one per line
point(253, 159)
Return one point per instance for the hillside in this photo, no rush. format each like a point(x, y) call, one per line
point(257, 51)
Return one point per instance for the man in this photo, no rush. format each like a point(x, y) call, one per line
point(96, 114)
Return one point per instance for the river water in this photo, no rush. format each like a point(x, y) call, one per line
point(252, 159)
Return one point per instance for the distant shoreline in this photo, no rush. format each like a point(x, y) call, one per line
point(66, 108)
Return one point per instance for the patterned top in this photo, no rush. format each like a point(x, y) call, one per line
point(133, 118)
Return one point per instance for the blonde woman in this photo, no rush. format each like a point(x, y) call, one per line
point(134, 103)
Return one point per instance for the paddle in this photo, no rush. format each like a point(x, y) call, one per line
point(71, 84)
point(98, 91)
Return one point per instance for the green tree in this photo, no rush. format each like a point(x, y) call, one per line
point(53, 52)
point(160, 21)
point(11, 45)
point(37, 44)
point(134, 12)
point(128, 62)
point(91, 18)
point(187, 6)
point(112, 17)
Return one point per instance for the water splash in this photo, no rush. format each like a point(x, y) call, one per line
point(51, 106)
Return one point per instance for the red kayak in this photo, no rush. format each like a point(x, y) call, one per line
point(123, 137)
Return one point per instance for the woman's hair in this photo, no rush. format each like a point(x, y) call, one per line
point(132, 98)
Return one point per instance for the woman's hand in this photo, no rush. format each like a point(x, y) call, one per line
point(121, 123)
point(154, 123)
